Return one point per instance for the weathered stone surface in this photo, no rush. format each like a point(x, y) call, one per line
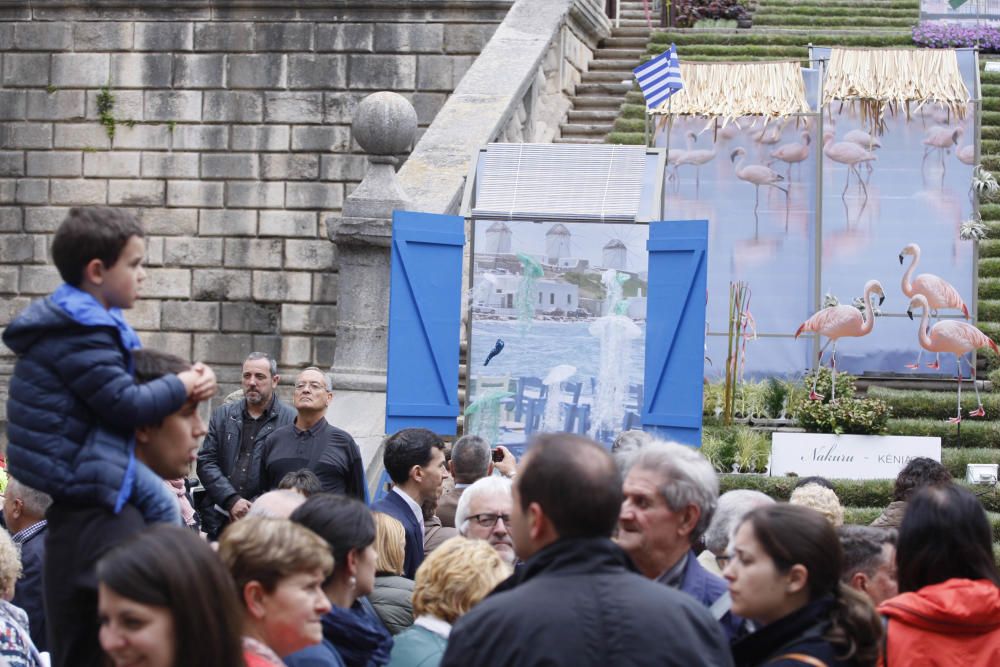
point(253, 253)
point(32, 191)
point(233, 106)
point(12, 104)
point(326, 72)
point(79, 192)
point(145, 314)
point(39, 280)
point(142, 136)
point(201, 137)
point(199, 70)
point(409, 37)
point(169, 165)
point(190, 316)
point(427, 106)
point(467, 38)
point(325, 196)
point(15, 249)
point(283, 37)
point(140, 70)
point(114, 164)
point(288, 223)
point(257, 71)
point(26, 135)
point(381, 72)
point(384, 124)
point(221, 285)
point(43, 36)
point(167, 284)
point(238, 222)
point(335, 138)
point(11, 163)
point(205, 194)
point(11, 218)
point(293, 107)
point(58, 105)
point(9, 308)
point(281, 286)
point(127, 105)
point(308, 319)
point(8, 280)
point(290, 166)
point(223, 36)
point(169, 221)
point(325, 287)
point(296, 351)
point(172, 342)
point(101, 36)
point(192, 251)
point(255, 195)
point(250, 317)
point(342, 167)
point(154, 251)
point(176, 105)
point(136, 192)
point(162, 36)
point(311, 255)
point(261, 137)
point(235, 165)
point(44, 219)
point(222, 348)
point(80, 70)
point(439, 72)
point(81, 135)
point(340, 107)
point(356, 37)
point(55, 163)
point(26, 69)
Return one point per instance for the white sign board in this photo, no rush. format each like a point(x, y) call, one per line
point(992, 66)
point(848, 456)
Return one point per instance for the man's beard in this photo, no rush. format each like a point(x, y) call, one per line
point(255, 397)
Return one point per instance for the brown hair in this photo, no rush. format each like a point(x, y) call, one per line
point(797, 535)
point(455, 577)
point(268, 550)
point(96, 232)
point(390, 543)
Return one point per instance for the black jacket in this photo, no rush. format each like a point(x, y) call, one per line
point(580, 603)
point(801, 633)
point(222, 446)
point(28, 592)
point(393, 505)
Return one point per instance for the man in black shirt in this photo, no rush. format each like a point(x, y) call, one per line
point(229, 461)
point(311, 442)
point(78, 535)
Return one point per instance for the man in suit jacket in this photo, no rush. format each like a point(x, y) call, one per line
point(24, 511)
point(414, 459)
point(471, 460)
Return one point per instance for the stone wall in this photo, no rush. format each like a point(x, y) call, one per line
point(231, 142)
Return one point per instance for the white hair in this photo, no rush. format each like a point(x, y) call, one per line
point(35, 502)
point(731, 508)
point(687, 479)
point(277, 504)
point(487, 486)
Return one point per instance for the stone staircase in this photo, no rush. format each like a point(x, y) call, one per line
point(602, 90)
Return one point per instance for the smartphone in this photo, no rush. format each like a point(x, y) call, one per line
point(497, 455)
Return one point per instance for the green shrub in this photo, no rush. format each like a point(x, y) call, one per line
point(775, 397)
point(864, 416)
point(955, 460)
point(975, 433)
point(861, 516)
point(845, 383)
point(932, 404)
point(720, 451)
point(737, 447)
point(630, 138)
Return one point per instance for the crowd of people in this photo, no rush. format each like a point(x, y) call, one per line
point(570, 556)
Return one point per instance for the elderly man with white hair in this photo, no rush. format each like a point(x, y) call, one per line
point(732, 507)
point(670, 492)
point(483, 513)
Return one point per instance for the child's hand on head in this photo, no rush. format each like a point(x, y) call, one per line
point(205, 387)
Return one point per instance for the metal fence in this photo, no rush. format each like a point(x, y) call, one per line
point(972, 10)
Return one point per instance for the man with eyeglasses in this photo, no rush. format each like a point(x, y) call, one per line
point(483, 513)
point(313, 443)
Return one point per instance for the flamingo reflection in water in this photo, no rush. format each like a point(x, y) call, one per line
point(958, 338)
point(839, 322)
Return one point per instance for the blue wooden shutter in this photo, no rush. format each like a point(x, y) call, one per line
point(425, 311)
point(675, 330)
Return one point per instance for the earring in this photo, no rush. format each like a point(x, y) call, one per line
point(352, 582)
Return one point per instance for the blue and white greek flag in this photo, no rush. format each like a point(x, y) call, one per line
point(659, 78)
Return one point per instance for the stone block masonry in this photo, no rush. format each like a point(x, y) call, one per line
point(231, 143)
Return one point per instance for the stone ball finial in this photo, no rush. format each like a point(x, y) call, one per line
point(385, 123)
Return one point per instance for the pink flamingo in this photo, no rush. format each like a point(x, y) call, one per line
point(793, 153)
point(849, 153)
point(955, 337)
point(941, 139)
point(841, 322)
point(757, 174)
point(695, 157)
point(938, 292)
point(967, 154)
point(863, 139)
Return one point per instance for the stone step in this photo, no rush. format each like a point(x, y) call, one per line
point(630, 55)
point(598, 101)
point(588, 129)
point(627, 42)
point(604, 88)
point(578, 140)
point(617, 64)
point(631, 31)
point(639, 22)
point(607, 76)
point(585, 115)
point(925, 383)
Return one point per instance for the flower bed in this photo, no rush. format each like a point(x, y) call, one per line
point(953, 36)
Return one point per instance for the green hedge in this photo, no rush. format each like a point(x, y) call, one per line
point(835, 22)
point(975, 433)
point(989, 288)
point(632, 111)
point(989, 248)
point(933, 404)
point(875, 4)
point(990, 117)
point(991, 90)
point(726, 50)
point(630, 125)
point(989, 147)
point(991, 133)
point(863, 516)
point(630, 138)
point(990, 211)
point(955, 460)
point(683, 39)
point(989, 267)
point(852, 492)
point(859, 11)
point(991, 103)
point(988, 310)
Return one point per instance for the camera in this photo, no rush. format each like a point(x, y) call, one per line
point(497, 455)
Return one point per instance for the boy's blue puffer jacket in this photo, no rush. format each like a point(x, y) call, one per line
point(70, 378)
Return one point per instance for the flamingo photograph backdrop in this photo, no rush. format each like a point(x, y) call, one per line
point(757, 186)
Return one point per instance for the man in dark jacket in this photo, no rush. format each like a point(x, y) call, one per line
point(578, 601)
point(670, 496)
point(24, 512)
point(229, 460)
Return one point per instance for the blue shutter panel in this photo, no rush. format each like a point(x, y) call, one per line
point(425, 303)
point(675, 330)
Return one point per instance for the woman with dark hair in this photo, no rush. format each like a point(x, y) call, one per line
point(353, 635)
point(166, 600)
point(784, 574)
point(918, 473)
point(949, 605)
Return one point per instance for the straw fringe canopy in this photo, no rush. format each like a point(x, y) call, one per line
point(733, 90)
point(889, 79)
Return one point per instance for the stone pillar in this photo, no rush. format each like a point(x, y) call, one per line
point(384, 125)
